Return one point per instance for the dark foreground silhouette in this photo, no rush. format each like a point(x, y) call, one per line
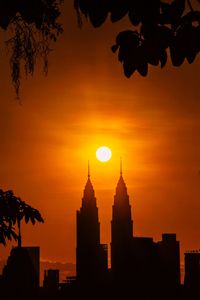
point(141, 269)
point(155, 27)
point(12, 212)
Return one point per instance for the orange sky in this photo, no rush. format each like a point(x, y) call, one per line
point(84, 102)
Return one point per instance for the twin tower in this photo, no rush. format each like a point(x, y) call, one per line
point(135, 261)
point(91, 256)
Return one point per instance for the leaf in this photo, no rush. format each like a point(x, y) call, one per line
point(129, 68)
point(191, 57)
point(26, 218)
point(163, 59)
point(192, 43)
point(134, 18)
point(114, 48)
point(141, 59)
point(128, 37)
point(185, 44)
point(151, 52)
point(143, 69)
point(32, 219)
point(118, 9)
point(135, 11)
point(97, 12)
point(38, 216)
point(14, 235)
point(6, 232)
point(128, 42)
point(122, 54)
point(2, 239)
point(177, 55)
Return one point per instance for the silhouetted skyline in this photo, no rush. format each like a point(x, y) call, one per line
point(140, 267)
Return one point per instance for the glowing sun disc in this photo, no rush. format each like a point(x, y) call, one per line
point(103, 154)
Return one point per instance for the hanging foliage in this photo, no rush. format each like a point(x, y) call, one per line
point(32, 26)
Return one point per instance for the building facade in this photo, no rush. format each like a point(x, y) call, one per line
point(21, 273)
point(121, 233)
point(91, 256)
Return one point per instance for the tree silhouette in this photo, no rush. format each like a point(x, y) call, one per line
point(6, 224)
point(157, 26)
point(6, 232)
point(159, 29)
point(12, 211)
point(32, 26)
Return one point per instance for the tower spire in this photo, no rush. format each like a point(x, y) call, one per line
point(120, 166)
point(88, 193)
point(88, 169)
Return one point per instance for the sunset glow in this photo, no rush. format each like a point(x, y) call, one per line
point(85, 103)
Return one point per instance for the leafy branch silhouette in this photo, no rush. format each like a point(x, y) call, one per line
point(32, 26)
point(160, 29)
point(12, 211)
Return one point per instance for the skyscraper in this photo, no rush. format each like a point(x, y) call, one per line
point(91, 256)
point(51, 280)
point(169, 260)
point(21, 273)
point(121, 232)
point(192, 269)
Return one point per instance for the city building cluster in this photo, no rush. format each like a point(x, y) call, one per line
point(141, 268)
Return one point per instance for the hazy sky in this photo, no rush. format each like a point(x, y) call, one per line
point(85, 102)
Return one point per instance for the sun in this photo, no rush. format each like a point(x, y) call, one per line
point(103, 154)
